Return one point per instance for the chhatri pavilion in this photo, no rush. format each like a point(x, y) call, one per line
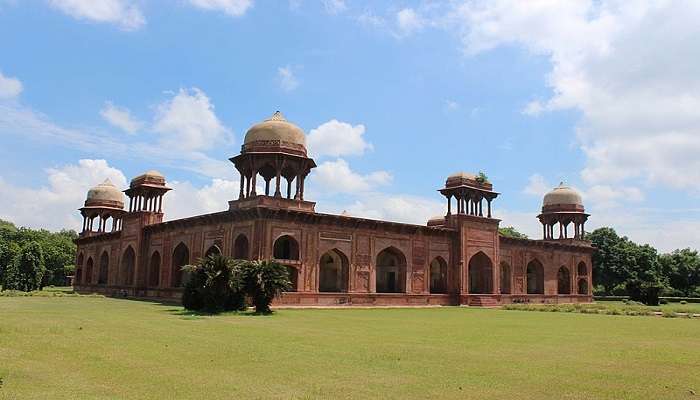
point(456, 258)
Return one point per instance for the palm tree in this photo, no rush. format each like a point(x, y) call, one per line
point(215, 284)
point(265, 280)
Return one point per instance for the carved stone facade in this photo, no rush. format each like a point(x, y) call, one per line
point(332, 259)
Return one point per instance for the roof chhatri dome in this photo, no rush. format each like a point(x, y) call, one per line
point(463, 175)
point(105, 194)
point(275, 129)
point(562, 195)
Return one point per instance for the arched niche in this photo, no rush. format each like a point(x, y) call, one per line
point(438, 276)
point(126, 270)
point(88, 271)
point(535, 277)
point(391, 271)
point(563, 281)
point(154, 270)
point(212, 251)
point(333, 272)
point(104, 269)
point(505, 278)
point(78, 279)
point(582, 270)
point(286, 248)
point(480, 274)
point(241, 248)
point(181, 257)
point(583, 286)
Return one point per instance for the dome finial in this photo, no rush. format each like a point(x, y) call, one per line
point(277, 116)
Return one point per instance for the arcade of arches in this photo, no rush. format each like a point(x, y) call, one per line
point(457, 257)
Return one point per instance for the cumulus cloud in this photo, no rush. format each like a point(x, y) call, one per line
point(286, 78)
point(187, 200)
point(337, 177)
point(120, 117)
point(9, 87)
point(53, 206)
point(390, 207)
point(124, 13)
point(235, 8)
point(629, 70)
point(187, 122)
point(335, 138)
point(537, 186)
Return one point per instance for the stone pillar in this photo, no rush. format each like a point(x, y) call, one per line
point(252, 183)
point(449, 205)
point(488, 201)
point(241, 195)
point(277, 184)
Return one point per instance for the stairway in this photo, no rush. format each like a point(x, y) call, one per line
point(483, 301)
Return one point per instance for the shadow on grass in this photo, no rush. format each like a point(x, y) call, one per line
point(195, 315)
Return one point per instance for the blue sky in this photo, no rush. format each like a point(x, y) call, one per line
point(394, 97)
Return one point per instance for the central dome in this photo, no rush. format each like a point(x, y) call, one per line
point(275, 129)
point(562, 196)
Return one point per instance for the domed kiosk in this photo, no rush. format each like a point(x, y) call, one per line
point(273, 149)
point(106, 203)
point(563, 206)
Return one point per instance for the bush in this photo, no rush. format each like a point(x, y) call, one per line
point(263, 281)
point(644, 291)
point(663, 301)
point(684, 302)
point(214, 285)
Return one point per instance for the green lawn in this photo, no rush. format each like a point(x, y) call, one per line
point(83, 348)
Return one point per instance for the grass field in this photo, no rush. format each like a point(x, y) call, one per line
point(84, 348)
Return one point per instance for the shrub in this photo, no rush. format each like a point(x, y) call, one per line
point(663, 301)
point(263, 281)
point(215, 285)
point(684, 302)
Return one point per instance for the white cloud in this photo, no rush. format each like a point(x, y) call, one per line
point(335, 138)
point(370, 19)
point(408, 21)
point(629, 70)
point(54, 206)
point(604, 196)
point(186, 200)
point(235, 8)
point(337, 177)
point(451, 105)
point(188, 122)
point(286, 78)
point(334, 6)
point(124, 13)
point(9, 87)
point(389, 207)
point(120, 117)
point(537, 186)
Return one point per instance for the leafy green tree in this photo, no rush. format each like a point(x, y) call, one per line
point(215, 285)
point(682, 270)
point(263, 281)
point(511, 232)
point(8, 253)
point(27, 270)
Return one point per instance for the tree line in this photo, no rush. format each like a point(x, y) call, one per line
point(33, 258)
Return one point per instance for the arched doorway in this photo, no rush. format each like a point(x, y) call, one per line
point(213, 250)
point(438, 276)
point(104, 269)
point(154, 270)
point(181, 257)
point(88, 271)
point(581, 269)
point(480, 274)
point(583, 286)
point(293, 277)
point(391, 271)
point(505, 278)
point(286, 248)
point(563, 281)
point(535, 277)
point(333, 272)
point(78, 279)
point(126, 272)
point(240, 248)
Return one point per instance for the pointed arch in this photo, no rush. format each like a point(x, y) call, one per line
point(480, 274)
point(535, 277)
point(583, 286)
point(154, 270)
point(563, 281)
point(293, 277)
point(88, 271)
point(241, 248)
point(181, 257)
point(438, 275)
point(126, 271)
point(333, 269)
point(391, 271)
point(505, 278)
point(212, 250)
point(78, 279)
point(582, 270)
point(286, 248)
point(104, 269)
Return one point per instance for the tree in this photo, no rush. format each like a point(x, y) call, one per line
point(8, 253)
point(215, 285)
point(682, 270)
point(265, 280)
point(27, 270)
point(511, 232)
